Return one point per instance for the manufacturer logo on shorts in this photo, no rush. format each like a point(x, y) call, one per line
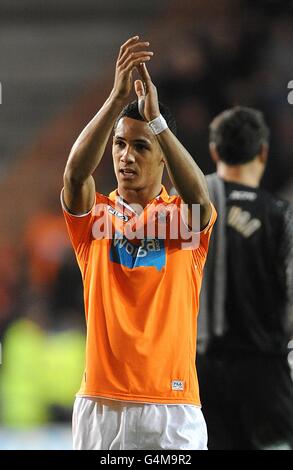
point(177, 385)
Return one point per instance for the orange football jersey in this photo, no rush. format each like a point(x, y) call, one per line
point(141, 303)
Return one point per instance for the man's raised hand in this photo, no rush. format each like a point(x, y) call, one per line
point(132, 53)
point(147, 95)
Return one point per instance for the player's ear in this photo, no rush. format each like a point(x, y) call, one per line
point(162, 160)
point(213, 152)
point(263, 155)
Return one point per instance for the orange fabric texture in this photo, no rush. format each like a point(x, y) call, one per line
point(141, 304)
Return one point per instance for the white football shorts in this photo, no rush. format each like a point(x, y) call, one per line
point(101, 424)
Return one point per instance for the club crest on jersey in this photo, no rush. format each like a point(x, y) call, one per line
point(118, 214)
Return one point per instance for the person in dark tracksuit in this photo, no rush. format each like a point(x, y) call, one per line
point(245, 321)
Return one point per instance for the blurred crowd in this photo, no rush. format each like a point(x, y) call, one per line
point(244, 58)
point(205, 66)
point(42, 327)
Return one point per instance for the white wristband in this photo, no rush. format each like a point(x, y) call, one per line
point(158, 125)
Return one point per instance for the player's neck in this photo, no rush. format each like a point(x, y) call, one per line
point(140, 197)
point(248, 174)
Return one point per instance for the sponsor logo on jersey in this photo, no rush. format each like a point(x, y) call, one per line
point(242, 196)
point(147, 252)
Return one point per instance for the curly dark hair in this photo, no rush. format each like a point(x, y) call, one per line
point(238, 134)
point(131, 111)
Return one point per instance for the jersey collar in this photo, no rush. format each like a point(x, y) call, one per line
point(162, 197)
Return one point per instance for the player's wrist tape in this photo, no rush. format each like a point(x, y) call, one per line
point(158, 125)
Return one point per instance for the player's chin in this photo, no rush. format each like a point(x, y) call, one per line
point(127, 185)
point(131, 182)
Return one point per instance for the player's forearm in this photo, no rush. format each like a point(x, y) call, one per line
point(185, 174)
point(89, 147)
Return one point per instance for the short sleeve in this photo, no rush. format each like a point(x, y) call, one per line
point(205, 234)
point(194, 240)
point(79, 227)
point(200, 254)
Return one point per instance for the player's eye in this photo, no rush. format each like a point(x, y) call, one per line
point(120, 144)
point(140, 147)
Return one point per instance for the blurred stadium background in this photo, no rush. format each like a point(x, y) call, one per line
point(56, 69)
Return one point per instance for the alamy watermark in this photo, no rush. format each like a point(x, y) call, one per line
point(160, 221)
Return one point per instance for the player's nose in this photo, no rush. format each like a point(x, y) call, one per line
point(127, 156)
